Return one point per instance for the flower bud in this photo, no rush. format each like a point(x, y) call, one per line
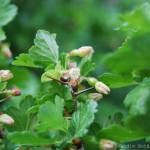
point(74, 73)
point(91, 81)
point(6, 50)
point(82, 51)
point(102, 88)
point(95, 96)
point(107, 145)
point(72, 65)
point(6, 119)
point(5, 75)
point(16, 92)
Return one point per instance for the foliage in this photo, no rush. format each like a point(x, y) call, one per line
point(63, 111)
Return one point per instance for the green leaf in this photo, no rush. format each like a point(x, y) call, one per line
point(3, 85)
point(24, 60)
point(46, 76)
point(2, 35)
point(7, 12)
point(134, 54)
point(137, 20)
point(124, 60)
point(50, 116)
point(19, 114)
point(51, 73)
point(139, 123)
point(82, 119)
point(116, 80)
point(138, 100)
point(45, 50)
point(86, 65)
point(119, 134)
point(29, 138)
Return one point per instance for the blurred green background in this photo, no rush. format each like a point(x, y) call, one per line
point(76, 22)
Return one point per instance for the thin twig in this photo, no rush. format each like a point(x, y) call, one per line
point(83, 91)
point(62, 82)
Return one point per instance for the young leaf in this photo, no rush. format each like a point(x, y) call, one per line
point(116, 80)
point(138, 100)
point(82, 119)
point(50, 116)
point(24, 60)
point(29, 138)
point(45, 49)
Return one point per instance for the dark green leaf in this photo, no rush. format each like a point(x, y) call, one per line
point(120, 134)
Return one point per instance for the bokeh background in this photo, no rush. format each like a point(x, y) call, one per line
point(76, 22)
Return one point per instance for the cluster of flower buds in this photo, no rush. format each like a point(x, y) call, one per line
point(71, 76)
point(82, 51)
point(6, 119)
point(5, 75)
point(6, 50)
point(99, 86)
point(105, 144)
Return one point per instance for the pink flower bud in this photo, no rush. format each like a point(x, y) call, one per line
point(16, 92)
point(95, 96)
point(107, 145)
point(102, 88)
point(5, 75)
point(6, 50)
point(72, 65)
point(6, 119)
point(82, 51)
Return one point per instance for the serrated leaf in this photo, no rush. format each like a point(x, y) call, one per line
point(19, 114)
point(7, 12)
point(138, 100)
point(45, 49)
point(50, 116)
point(24, 60)
point(82, 118)
point(29, 138)
point(138, 19)
point(116, 80)
point(124, 60)
point(2, 35)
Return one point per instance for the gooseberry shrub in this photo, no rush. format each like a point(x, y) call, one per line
point(69, 107)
